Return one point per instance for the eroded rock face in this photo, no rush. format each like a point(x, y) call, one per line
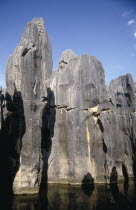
point(80, 92)
point(66, 56)
point(95, 127)
point(30, 66)
point(28, 71)
point(73, 128)
point(80, 84)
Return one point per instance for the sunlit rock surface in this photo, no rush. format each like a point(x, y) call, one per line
point(94, 125)
point(71, 128)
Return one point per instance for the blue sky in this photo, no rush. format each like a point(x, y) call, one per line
point(102, 28)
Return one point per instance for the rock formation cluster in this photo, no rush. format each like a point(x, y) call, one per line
point(65, 126)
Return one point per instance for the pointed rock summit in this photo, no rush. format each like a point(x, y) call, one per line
point(30, 66)
point(66, 56)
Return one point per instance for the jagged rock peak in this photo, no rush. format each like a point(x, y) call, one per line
point(38, 21)
point(66, 56)
point(122, 91)
point(31, 61)
point(33, 28)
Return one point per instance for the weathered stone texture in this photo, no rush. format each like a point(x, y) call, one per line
point(28, 70)
point(30, 66)
point(95, 128)
point(77, 130)
point(80, 84)
point(122, 93)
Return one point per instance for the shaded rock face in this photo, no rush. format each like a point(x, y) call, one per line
point(75, 128)
point(11, 134)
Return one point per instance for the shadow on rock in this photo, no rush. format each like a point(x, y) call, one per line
point(114, 175)
point(125, 174)
point(11, 134)
point(113, 184)
point(47, 132)
point(133, 143)
point(88, 184)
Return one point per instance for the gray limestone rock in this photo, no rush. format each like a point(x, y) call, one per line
point(28, 71)
point(122, 93)
point(94, 127)
point(66, 126)
point(66, 56)
point(81, 83)
point(30, 66)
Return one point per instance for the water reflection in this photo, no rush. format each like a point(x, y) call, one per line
point(98, 197)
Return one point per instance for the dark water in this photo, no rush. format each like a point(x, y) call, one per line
point(98, 197)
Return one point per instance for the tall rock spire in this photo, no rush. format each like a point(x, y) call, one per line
point(28, 71)
point(30, 66)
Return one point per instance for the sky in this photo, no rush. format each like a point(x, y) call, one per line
point(105, 29)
